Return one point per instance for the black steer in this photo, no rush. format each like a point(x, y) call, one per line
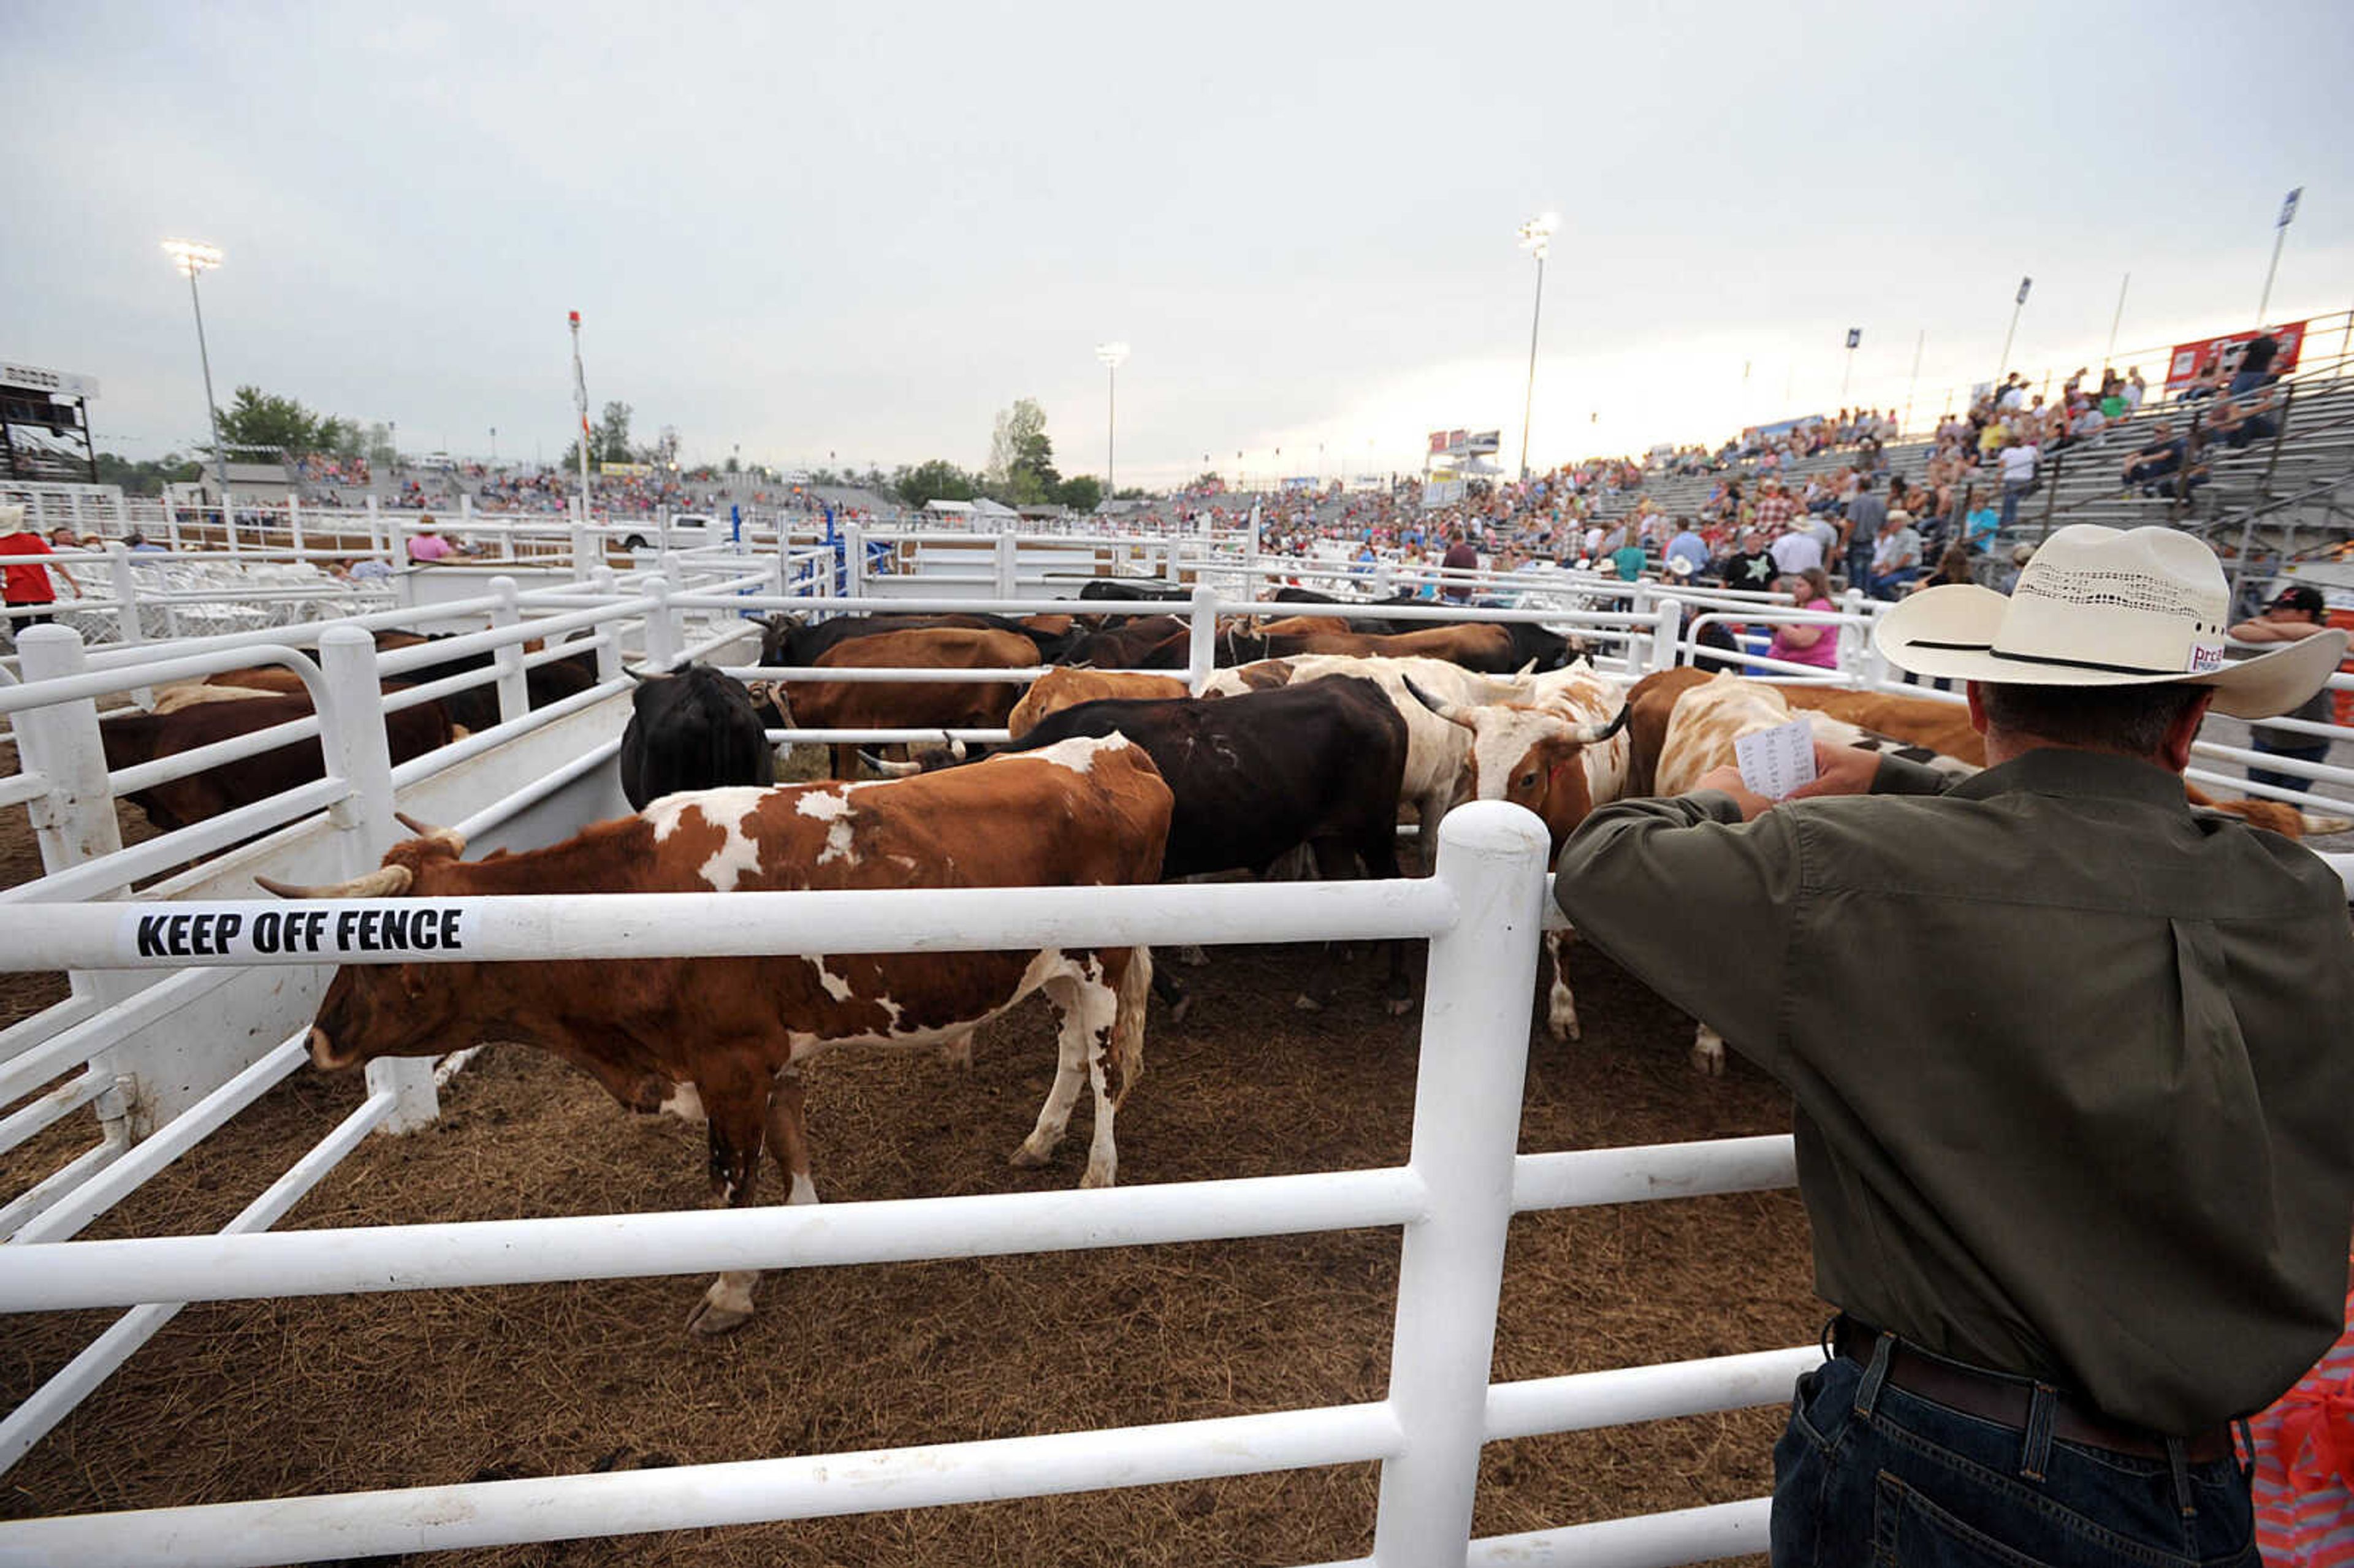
point(1257, 776)
point(695, 729)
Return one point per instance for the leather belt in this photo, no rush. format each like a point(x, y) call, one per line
point(2005, 1400)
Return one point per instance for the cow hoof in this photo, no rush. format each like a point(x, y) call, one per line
point(1708, 1063)
point(1098, 1176)
point(1306, 1003)
point(1179, 1008)
point(1028, 1159)
point(1400, 1006)
point(709, 1321)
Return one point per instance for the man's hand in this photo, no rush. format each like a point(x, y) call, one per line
point(1727, 781)
point(1839, 770)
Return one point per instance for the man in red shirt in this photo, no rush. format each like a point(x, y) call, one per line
point(26, 584)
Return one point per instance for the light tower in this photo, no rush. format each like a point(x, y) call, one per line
point(192, 257)
point(1111, 354)
point(1536, 238)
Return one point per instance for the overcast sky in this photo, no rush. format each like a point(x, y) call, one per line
point(862, 230)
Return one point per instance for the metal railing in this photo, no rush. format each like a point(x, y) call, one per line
point(1453, 1199)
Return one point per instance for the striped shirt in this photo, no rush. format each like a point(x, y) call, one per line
point(2305, 1465)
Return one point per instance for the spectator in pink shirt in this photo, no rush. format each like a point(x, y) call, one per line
point(1808, 642)
point(427, 545)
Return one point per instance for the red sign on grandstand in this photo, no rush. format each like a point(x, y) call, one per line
point(2192, 361)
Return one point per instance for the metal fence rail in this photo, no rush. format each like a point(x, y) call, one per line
point(1482, 911)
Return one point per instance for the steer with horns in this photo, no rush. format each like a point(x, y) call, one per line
point(724, 1039)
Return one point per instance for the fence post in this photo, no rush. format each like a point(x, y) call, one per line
point(1855, 654)
point(854, 560)
point(1001, 554)
point(75, 821)
point(351, 729)
point(1467, 1116)
point(608, 632)
point(171, 522)
point(662, 631)
point(1202, 646)
point(585, 554)
point(1667, 623)
point(376, 531)
point(514, 691)
point(294, 525)
point(228, 523)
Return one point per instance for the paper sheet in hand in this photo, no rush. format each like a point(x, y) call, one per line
point(1775, 761)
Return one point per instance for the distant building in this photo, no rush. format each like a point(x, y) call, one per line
point(261, 481)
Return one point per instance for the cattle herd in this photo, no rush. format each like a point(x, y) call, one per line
point(1308, 738)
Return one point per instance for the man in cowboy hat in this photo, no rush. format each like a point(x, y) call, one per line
point(2070, 1068)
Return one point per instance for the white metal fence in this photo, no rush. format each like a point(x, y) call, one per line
point(1452, 1200)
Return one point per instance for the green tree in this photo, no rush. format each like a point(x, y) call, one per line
point(147, 477)
point(612, 435)
point(1021, 456)
point(938, 480)
point(1080, 492)
point(263, 421)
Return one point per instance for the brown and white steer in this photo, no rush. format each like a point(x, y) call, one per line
point(724, 1039)
point(1557, 746)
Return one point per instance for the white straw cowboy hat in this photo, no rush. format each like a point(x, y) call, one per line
point(2098, 606)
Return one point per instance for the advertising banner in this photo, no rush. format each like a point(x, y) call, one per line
point(2190, 361)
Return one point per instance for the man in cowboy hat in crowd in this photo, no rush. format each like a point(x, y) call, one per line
point(2070, 1065)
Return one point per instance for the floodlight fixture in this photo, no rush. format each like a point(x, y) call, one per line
point(1112, 354)
point(192, 257)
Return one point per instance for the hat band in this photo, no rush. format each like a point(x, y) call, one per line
point(1991, 651)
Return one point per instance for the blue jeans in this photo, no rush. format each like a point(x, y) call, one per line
point(2305, 750)
point(2011, 494)
point(1868, 1475)
point(1885, 584)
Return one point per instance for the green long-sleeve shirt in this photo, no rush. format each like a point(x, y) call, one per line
point(2073, 1064)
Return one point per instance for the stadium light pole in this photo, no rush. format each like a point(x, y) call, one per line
point(192, 257)
point(1112, 355)
point(1536, 238)
point(2280, 237)
point(2017, 307)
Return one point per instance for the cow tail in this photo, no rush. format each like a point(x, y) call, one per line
point(1128, 1021)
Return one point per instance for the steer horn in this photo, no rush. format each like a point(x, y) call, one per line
point(384, 882)
point(890, 769)
point(455, 840)
point(1595, 735)
point(1453, 713)
point(647, 677)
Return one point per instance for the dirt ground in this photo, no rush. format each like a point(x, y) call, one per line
point(278, 1397)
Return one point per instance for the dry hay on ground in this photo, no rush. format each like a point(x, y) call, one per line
point(279, 1397)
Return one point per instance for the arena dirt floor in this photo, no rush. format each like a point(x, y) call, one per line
point(280, 1398)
